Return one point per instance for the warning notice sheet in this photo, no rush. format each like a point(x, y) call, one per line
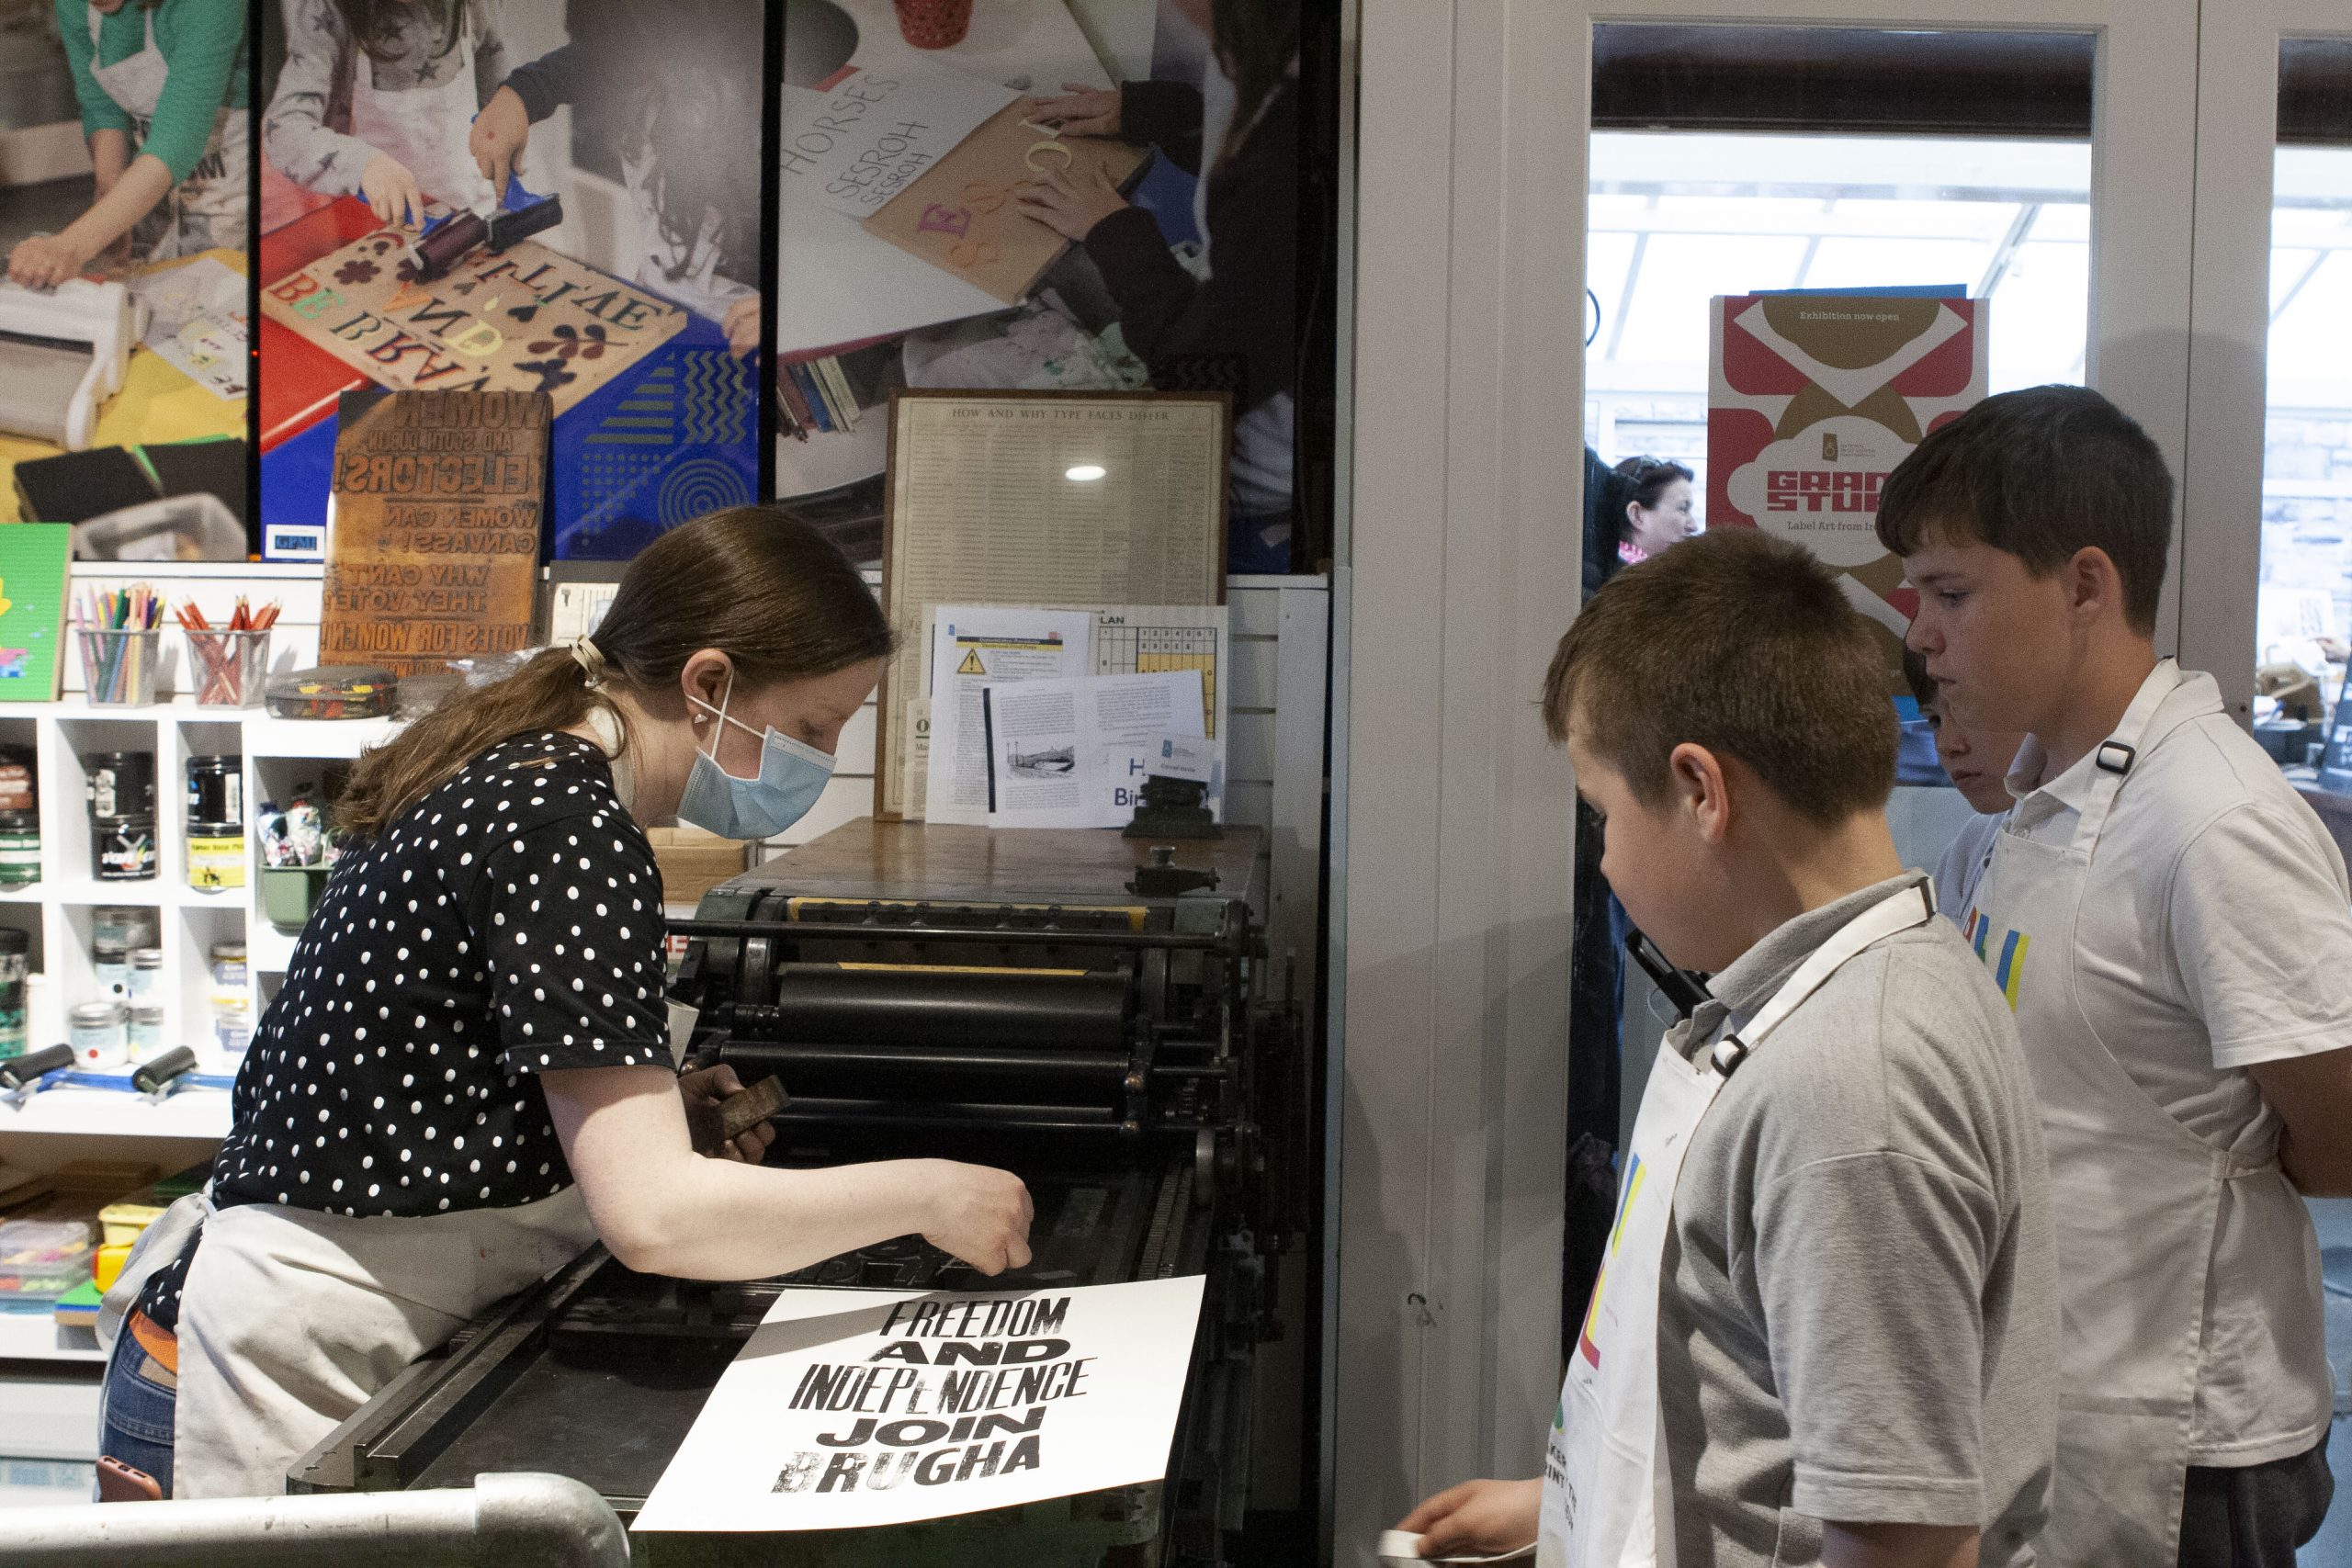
point(971, 646)
point(854, 1408)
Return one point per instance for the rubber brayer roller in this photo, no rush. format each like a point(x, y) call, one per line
point(435, 255)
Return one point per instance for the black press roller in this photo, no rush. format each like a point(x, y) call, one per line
point(156, 1079)
point(20, 1075)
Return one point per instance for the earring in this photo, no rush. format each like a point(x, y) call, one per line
point(701, 718)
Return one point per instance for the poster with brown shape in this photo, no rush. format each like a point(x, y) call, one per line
point(434, 555)
point(1813, 399)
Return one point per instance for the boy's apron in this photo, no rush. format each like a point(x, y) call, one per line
point(2135, 1196)
point(1608, 1501)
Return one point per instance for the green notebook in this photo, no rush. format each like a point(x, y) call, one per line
point(34, 561)
point(78, 1308)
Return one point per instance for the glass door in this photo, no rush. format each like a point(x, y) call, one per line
point(1547, 200)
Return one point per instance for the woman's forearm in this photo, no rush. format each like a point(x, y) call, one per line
point(722, 1220)
point(662, 1208)
point(110, 156)
point(113, 215)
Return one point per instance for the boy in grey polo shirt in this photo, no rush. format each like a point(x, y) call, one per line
point(1853, 1280)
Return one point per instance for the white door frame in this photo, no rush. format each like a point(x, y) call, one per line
point(1452, 818)
point(2237, 137)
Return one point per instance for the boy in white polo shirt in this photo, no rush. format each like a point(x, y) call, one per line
point(2169, 922)
point(1977, 763)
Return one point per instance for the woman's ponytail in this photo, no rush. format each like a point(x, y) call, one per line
point(754, 583)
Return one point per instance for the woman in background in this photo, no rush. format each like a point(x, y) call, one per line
point(1234, 328)
point(1662, 511)
point(161, 89)
point(378, 98)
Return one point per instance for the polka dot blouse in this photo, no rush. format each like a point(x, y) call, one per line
point(507, 924)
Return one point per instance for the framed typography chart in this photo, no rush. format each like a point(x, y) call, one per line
point(1030, 498)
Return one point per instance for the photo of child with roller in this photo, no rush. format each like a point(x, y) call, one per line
point(124, 215)
point(556, 195)
point(1172, 219)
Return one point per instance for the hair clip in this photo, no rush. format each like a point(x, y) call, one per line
point(591, 660)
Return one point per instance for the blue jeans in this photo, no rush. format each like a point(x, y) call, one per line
point(141, 1395)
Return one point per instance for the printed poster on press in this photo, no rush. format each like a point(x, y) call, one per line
point(1814, 398)
point(853, 1408)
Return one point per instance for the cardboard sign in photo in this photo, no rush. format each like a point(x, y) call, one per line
point(530, 321)
point(961, 215)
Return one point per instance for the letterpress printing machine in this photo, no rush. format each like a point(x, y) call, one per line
point(1091, 1012)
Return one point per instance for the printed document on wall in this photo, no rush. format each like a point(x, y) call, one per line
point(847, 1409)
point(973, 646)
point(1060, 752)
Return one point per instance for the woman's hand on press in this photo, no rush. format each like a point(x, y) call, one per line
point(44, 261)
point(1071, 201)
point(1484, 1517)
point(975, 1212)
point(1080, 111)
point(709, 1086)
point(392, 193)
point(500, 132)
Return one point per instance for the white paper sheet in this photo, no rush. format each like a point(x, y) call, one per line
point(197, 321)
point(861, 142)
point(1064, 753)
point(973, 646)
point(854, 1408)
point(1133, 640)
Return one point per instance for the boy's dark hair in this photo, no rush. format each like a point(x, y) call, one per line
point(2040, 473)
point(1915, 676)
point(1741, 643)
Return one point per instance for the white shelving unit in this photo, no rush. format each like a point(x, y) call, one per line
point(282, 757)
point(47, 1373)
point(38, 1336)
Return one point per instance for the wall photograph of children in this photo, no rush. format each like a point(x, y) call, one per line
point(123, 222)
point(559, 196)
point(1090, 196)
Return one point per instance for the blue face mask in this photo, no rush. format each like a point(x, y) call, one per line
point(791, 778)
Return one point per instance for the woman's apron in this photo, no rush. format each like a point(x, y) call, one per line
point(1608, 1501)
point(292, 1319)
point(204, 210)
point(427, 129)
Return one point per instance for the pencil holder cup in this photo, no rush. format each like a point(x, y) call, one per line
point(119, 667)
point(231, 669)
point(934, 24)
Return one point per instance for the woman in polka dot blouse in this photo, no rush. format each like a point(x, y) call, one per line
point(468, 1076)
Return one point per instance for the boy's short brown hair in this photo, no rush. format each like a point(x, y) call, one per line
point(2040, 473)
point(1741, 643)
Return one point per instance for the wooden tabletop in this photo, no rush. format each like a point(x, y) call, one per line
point(920, 860)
